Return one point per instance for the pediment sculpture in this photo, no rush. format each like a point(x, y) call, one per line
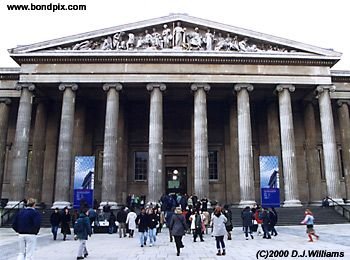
point(177, 38)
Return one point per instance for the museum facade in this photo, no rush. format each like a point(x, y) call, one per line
point(174, 104)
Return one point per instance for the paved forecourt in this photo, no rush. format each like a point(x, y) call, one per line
point(291, 241)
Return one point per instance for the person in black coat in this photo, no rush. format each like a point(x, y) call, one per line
point(142, 221)
point(265, 217)
point(121, 218)
point(273, 221)
point(55, 220)
point(111, 223)
point(65, 223)
point(247, 220)
point(178, 228)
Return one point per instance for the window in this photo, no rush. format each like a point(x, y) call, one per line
point(213, 165)
point(140, 164)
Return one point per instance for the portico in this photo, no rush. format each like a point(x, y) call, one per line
point(209, 114)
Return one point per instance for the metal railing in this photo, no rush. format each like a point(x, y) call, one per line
point(8, 211)
point(341, 209)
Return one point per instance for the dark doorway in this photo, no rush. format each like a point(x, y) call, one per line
point(176, 180)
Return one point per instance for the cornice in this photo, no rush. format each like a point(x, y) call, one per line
point(302, 61)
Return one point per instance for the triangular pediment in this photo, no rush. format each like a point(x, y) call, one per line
point(174, 33)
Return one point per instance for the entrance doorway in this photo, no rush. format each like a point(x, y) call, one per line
point(176, 180)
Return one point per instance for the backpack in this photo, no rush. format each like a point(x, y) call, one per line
point(79, 226)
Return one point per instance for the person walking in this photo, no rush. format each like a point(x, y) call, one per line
point(273, 221)
point(196, 226)
point(55, 220)
point(309, 222)
point(178, 228)
point(247, 219)
point(265, 217)
point(228, 214)
point(27, 225)
point(152, 225)
point(65, 223)
point(121, 218)
point(82, 229)
point(219, 229)
point(131, 222)
point(143, 223)
point(111, 223)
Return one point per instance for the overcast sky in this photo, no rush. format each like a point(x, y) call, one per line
point(322, 23)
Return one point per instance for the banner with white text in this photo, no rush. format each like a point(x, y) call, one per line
point(269, 181)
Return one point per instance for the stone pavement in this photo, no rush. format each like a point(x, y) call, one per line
point(290, 241)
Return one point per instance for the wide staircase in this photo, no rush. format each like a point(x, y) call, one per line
point(293, 216)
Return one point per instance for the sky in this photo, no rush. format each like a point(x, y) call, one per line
point(322, 23)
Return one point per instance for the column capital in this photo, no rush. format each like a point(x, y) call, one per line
point(151, 86)
point(281, 87)
point(63, 86)
point(340, 102)
point(29, 86)
point(238, 87)
point(321, 88)
point(196, 86)
point(7, 101)
point(117, 86)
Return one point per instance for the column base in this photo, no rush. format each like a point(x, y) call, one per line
point(245, 203)
point(347, 202)
point(315, 203)
point(337, 200)
point(112, 204)
point(61, 204)
point(11, 204)
point(292, 203)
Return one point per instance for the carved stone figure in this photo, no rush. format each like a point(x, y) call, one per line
point(117, 39)
point(167, 37)
point(209, 40)
point(156, 39)
point(85, 45)
point(194, 40)
point(130, 44)
point(107, 44)
point(220, 42)
point(178, 35)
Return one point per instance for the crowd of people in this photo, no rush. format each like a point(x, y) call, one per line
point(180, 213)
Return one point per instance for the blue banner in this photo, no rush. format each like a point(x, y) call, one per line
point(269, 181)
point(84, 169)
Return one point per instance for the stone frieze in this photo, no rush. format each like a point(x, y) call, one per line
point(175, 37)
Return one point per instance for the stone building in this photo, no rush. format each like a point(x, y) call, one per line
point(174, 104)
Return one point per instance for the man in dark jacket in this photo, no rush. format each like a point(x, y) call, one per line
point(27, 225)
point(82, 230)
point(266, 223)
point(142, 221)
point(55, 220)
point(247, 219)
point(121, 218)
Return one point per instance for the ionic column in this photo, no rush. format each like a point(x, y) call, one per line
point(155, 148)
point(109, 175)
point(36, 176)
point(20, 148)
point(311, 153)
point(64, 156)
point(288, 146)
point(329, 144)
point(48, 187)
point(201, 163)
point(245, 151)
point(344, 125)
point(4, 116)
